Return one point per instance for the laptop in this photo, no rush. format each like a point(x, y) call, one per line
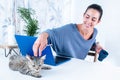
point(25, 44)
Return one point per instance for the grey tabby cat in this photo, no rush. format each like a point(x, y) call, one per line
point(28, 65)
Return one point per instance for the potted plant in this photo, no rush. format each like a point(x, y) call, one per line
point(31, 26)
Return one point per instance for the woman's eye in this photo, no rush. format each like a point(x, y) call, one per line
point(87, 17)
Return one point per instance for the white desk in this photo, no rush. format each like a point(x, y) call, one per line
point(72, 70)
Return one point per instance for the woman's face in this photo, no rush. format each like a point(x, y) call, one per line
point(91, 18)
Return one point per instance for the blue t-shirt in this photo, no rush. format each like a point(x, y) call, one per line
point(67, 41)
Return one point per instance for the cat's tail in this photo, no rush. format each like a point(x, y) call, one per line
point(12, 66)
point(16, 62)
point(13, 57)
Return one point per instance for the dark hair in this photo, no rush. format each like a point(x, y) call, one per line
point(96, 7)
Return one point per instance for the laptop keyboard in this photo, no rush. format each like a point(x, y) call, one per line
point(60, 59)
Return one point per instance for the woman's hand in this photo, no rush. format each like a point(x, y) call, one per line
point(40, 44)
point(98, 48)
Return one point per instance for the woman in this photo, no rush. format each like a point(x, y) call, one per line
point(72, 40)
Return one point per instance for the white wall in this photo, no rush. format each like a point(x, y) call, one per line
point(111, 23)
point(109, 34)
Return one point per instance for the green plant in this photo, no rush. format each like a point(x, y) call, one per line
point(31, 23)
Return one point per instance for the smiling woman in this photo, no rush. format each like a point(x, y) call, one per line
point(73, 40)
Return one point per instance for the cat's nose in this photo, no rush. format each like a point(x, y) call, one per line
point(37, 69)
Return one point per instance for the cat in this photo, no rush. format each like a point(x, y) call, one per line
point(28, 65)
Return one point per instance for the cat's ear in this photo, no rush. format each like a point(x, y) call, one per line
point(29, 57)
point(43, 57)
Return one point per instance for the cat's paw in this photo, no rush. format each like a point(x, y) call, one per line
point(37, 76)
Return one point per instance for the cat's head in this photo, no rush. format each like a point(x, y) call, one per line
point(35, 63)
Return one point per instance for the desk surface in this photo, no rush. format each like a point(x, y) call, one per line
point(72, 70)
point(8, 46)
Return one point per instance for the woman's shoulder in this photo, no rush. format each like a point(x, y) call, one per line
point(95, 33)
point(95, 30)
point(69, 26)
point(65, 27)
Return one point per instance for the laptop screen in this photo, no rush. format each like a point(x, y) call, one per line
point(25, 44)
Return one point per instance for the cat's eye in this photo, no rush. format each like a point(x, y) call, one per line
point(33, 65)
point(31, 58)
